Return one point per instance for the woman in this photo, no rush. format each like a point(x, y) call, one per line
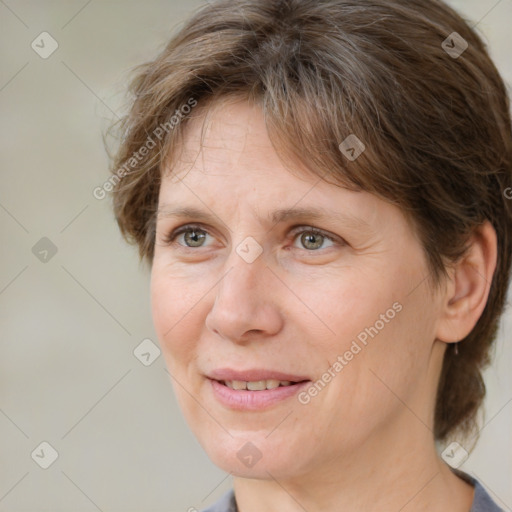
point(319, 189)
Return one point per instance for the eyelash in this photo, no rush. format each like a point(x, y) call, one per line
point(170, 238)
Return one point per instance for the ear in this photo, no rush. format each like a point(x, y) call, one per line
point(468, 288)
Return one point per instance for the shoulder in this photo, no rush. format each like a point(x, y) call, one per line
point(226, 503)
point(482, 501)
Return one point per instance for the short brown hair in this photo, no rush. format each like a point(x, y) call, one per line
point(436, 127)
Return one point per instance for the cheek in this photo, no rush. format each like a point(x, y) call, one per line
point(348, 303)
point(383, 334)
point(174, 305)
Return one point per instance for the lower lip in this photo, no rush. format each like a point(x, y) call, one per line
point(244, 400)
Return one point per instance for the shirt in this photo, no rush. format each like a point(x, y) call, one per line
point(482, 501)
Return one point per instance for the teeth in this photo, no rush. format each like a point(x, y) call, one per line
point(271, 384)
point(238, 384)
point(258, 385)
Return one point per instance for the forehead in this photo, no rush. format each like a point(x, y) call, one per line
point(226, 162)
point(229, 135)
point(225, 149)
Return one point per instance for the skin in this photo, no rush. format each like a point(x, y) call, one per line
point(365, 441)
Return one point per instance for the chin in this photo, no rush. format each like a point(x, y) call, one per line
point(250, 455)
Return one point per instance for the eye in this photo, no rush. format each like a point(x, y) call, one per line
point(192, 236)
point(312, 239)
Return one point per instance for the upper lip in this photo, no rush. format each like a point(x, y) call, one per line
point(253, 375)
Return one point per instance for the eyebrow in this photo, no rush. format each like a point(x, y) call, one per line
point(275, 217)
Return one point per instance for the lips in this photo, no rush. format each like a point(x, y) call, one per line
point(253, 390)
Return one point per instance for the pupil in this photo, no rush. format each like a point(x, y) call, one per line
point(312, 241)
point(194, 238)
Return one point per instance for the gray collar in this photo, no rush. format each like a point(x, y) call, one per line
point(481, 503)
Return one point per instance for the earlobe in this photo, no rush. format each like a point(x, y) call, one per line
point(470, 282)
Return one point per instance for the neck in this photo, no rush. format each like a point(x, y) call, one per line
point(401, 474)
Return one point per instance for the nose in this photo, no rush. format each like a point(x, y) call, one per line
point(245, 307)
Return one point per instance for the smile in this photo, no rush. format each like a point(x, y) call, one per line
point(254, 395)
point(257, 385)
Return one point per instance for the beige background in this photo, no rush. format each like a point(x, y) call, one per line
point(68, 375)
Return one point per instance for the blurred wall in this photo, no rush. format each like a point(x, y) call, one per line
point(74, 301)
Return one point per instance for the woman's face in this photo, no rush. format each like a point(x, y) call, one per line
point(247, 287)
